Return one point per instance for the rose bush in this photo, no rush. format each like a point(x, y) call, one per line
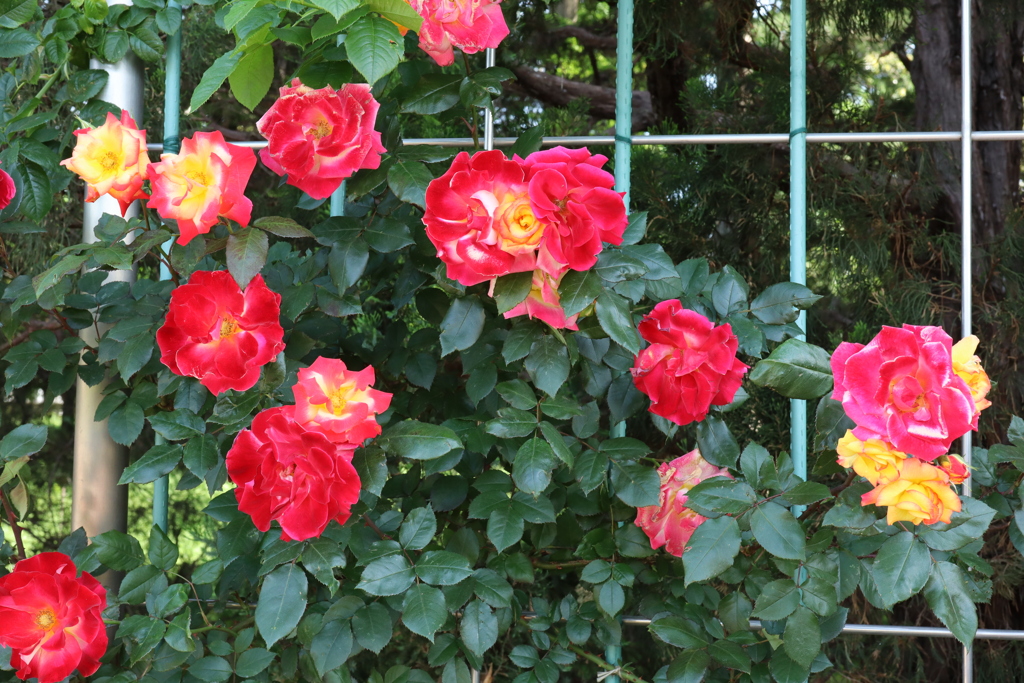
point(535, 374)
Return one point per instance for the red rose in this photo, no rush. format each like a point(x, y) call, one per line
point(338, 402)
point(292, 474)
point(479, 217)
point(52, 619)
point(7, 189)
point(573, 197)
point(219, 334)
point(690, 364)
point(320, 137)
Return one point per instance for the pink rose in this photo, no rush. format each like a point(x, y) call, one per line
point(543, 302)
point(320, 137)
point(478, 215)
point(339, 402)
point(690, 365)
point(7, 189)
point(573, 197)
point(470, 25)
point(671, 523)
point(902, 388)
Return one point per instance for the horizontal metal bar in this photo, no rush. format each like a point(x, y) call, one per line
point(879, 630)
point(715, 139)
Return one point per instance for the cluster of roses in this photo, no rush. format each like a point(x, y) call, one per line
point(317, 138)
point(547, 214)
point(294, 464)
point(911, 393)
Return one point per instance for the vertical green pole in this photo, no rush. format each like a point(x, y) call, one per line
point(798, 205)
point(338, 200)
point(172, 144)
point(623, 143)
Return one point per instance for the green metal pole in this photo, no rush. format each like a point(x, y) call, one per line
point(172, 144)
point(338, 200)
point(623, 144)
point(798, 205)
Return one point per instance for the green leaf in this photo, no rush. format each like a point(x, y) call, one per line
point(734, 611)
point(611, 598)
point(966, 526)
point(505, 527)
point(807, 492)
point(17, 43)
point(282, 602)
point(332, 646)
point(177, 425)
point(830, 423)
point(433, 94)
point(716, 443)
point(213, 78)
point(135, 354)
point(389, 575)
point(946, 593)
point(162, 551)
point(730, 654)
point(779, 303)
point(372, 626)
point(246, 254)
point(14, 13)
point(616, 318)
point(478, 627)
point(251, 662)
point(347, 261)
point(385, 235)
point(528, 143)
point(442, 568)
point(578, 290)
point(282, 227)
point(688, 667)
point(399, 12)
point(424, 610)
point(635, 485)
point(374, 47)
point(137, 583)
point(201, 455)
point(635, 229)
point(548, 365)
point(785, 670)
point(337, 9)
point(520, 339)
point(211, 669)
point(118, 550)
point(778, 532)
point(512, 290)
point(712, 549)
point(902, 567)
point(418, 440)
point(795, 369)
point(679, 631)
point(154, 463)
point(418, 529)
point(250, 80)
point(777, 601)
point(462, 325)
point(802, 638)
point(721, 495)
point(26, 439)
point(408, 179)
point(518, 394)
point(532, 467)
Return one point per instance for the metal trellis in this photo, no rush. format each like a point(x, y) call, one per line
point(125, 76)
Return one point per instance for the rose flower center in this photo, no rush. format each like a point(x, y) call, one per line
point(198, 177)
point(322, 129)
point(338, 400)
point(46, 618)
point(228, 327)
point(109, 161)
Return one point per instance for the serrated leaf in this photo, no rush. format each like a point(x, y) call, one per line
point(246, 254)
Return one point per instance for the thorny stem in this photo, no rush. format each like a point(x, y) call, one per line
point(12, 519)
point(623, 673)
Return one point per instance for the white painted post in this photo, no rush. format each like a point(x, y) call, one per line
point(98, 504)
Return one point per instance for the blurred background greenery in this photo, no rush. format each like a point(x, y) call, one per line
point(883, 222)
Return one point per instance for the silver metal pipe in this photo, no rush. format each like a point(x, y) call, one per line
point(711, 139)
point(966, 296)
point(98, 504)
point(489, 60)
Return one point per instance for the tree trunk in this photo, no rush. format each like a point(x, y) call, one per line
point(998, 89)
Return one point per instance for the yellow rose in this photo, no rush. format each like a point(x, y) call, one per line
point(920, 494)
point(874, 459)
point(967, 366)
